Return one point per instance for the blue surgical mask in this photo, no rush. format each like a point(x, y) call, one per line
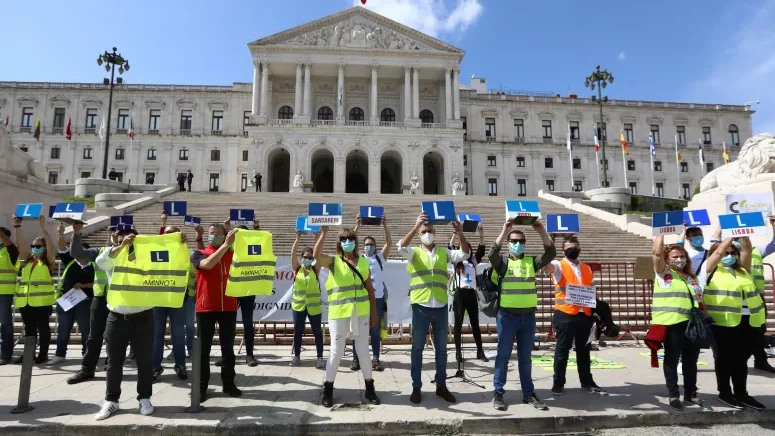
point(729, 260)
point(348, 246)
point(697, 241)
point(516, 249)
point(38, 251)
point(370, 250)
point(307, 262)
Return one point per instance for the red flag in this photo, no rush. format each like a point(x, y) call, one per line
point(68, 132)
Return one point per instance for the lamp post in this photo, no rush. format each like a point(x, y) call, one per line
point(111, 60)
point(600, 79)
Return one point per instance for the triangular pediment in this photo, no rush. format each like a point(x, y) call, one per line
point(357, 28)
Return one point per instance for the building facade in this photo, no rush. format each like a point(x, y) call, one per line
point(355, 102)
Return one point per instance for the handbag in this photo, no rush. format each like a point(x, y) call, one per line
point(698, 329)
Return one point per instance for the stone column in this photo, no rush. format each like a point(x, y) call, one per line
point(297, 111)
point(256, 84)
point(456, 85)
point(407, 93)
point(340, 180)
point(374, 108)
point(416, 93)
point(307, 99)
point(448, 94)
point(340, 94)
point(264, 87)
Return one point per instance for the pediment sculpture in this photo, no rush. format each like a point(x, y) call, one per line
point(755, 162)
point(357, 33)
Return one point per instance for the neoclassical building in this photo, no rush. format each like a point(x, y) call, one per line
point(358, 103)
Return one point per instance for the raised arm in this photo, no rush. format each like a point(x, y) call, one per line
point(452, 241)
point(481, 234)
point(200, 245)
point(51, 252)
point(294, 261)
point(388, 239)
point(550, 251)
point(746, 250)
point(324, 260)
point(61, 244)
point(76, 249)
point(715, 258)
point(407, 240)
point(657, 248)
point(24, 250)
point(458, 227)
point(212, 260)
point(357, 224)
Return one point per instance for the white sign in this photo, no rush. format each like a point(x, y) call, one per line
point(581, 295)
point(743, 203)
point(71, 299)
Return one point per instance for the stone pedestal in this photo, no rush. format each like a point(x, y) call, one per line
point(309, 187)
point(296, 190)
point(92, 187)
point(620, 196)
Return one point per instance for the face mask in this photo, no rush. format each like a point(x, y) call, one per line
point(38, 251)
point(572, 253)
point(729, 260)
point(516, 249)
point(215, 240)
point(370, 250)
point(306, 262)
point(697, 241)
point(348, 246)
point(737, 244)
point(678, 263)
point(427, 238)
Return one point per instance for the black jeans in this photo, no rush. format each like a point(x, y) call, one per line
point(36, 323)
point(735, 347)
point(678, 347)
point(573, 329)
point(759, 352)
point(227, 326)
point(189, 186)
point(246, 307)
point(98, 317)
point(120, 331)
point(465, 300)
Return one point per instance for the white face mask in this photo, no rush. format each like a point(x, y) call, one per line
point(427, 238)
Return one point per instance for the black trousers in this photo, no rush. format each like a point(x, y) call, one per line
point(189, 185)
point(678, 347)
point(36, 323)
point(120, 331)
point(573, 329)
point(465, 300)
point(735, 347)
point(98, 317)
point(759, 352)
point(227, 328)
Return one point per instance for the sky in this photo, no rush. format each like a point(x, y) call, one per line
point(710, 51)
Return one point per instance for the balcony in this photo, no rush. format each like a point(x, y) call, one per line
point(121, 131)
point(57, 130)
point(216, 132)
point(356, 123)
point(27, 129)
point(548, 140)
point(90, 131)
point(244, 134)
point(490, 139)
point(185, 132)
point(323, 122)
point(391, 124)
point(283, 122)
point(434, 125)
point(153, 131)
point(519, 140)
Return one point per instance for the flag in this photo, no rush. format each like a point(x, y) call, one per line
point(651, 145)
point(68, 131)
point(36, 130)
point(623, 141)
point(131, 131)
point(702, 154)
point(724, 153)
point(597, 142)
point(102, 129)
point(6, 121)
point(678, 157)
point(570, 139)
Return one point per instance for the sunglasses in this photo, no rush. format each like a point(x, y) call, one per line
point(517, 241)
point(37, 246)
point(345, 239)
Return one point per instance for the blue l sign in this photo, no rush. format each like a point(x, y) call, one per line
point(304, 227)
point(563, 223)
point(254, 250)
point(241, 217)
point(29, 210)
point(738, 225)
point(371, 215)
point(160, 256)
point(696, 218)
point(439, 212)
point(121, 219)
point(192, 221)
point(175, 208)
point(325, 214)
point(667, 223)
point(522, 212)
point(470, 222)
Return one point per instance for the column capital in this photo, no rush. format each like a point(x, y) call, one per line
point(456, 70)
point(448, 69)
point(299, 64)
point(375, 66)
point(341, 65)
point(307, 64)
point(407, 68)
point(265, 64)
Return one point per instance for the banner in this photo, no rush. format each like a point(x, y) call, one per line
point(277, 307)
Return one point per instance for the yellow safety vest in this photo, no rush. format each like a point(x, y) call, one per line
point(426, 279)
point(191, 286)
point(723, 298)
point(101, 278)
point(757, 269)
point(306, 293)
point(253, 265)
point(157, 277)
point(518, 288)
point(672, 305)
point(36, 288)
point(345, 289)
point(7, 273)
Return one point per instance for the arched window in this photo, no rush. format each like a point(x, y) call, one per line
point(356, 114)
point(325, 113)
point(387, 115)
point(285, 113)
point(426, 116)
point(734, 135)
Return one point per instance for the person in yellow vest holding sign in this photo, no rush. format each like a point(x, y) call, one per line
point(761, 361)
point(428, 276)
point(36, 293)
point(246, 307)
point(731, 299)
point(305, 302)
point(9, 255)
point(572, 322)
point(351, 306)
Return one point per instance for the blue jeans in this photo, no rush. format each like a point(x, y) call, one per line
point(299, 320)
point(6, 326)
point(189, 308)
point(374, 331)
point(422, 318)
point(81, 314)
point(177, 332)
point(522, 328)
point(246, 307)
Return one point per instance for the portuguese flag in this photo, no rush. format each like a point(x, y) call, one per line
point(36, 131)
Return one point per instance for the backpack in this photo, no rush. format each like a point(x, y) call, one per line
point(488, 294)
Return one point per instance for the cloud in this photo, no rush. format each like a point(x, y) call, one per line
point(432, 17)
point(622, 55)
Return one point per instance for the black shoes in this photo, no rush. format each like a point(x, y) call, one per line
point(371, 394)
point(443, 392)
point(498, 403)
point(676, 404)
point(764, 366)
point(749, 401)
point(218, 361)
point(230, 389)
point(356, 365)
point(328, 394)
point(80, 376)
point(157, 373)
point(416, 396)
point(251, 361)
point(557, 390)
point(730, 401)
point(181, 372)
point(595, 389)
point(534, 401)
point(481, 356)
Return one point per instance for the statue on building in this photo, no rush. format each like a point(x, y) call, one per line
point(298, 180)
point(415, 183)
point(755, 162)
point(457, 185)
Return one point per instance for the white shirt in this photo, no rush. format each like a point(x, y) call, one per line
point(695, 256)
point(376, 274)
point(106, 263)
point(468, 278)
point(453, 256)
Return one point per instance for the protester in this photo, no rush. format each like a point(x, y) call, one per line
point(9, 255)
point(517, 306)
point(305, 302)
point(149, 179)
point(463, 285)
point(349, 313)
point(427, 270)
point(695, 245)
point(181, 182)
point(257, 180)
point(246, 307)
point(189, 179)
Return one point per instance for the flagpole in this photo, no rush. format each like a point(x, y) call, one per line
point(653, 186)
point(677, 168)
point(131, 142)
point(570, 159)
point(624, 162)
point(702, 160)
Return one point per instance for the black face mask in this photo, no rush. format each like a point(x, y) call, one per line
point(572, 253)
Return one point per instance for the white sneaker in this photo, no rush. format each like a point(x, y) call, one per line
point(57, 360)
point(321, 363)
point(107, 409)
point(295, 361)
point(146, 408)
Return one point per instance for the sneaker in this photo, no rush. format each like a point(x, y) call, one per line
point(218, 361)
point(157, 373)
point(57, 360)
point(443, 392)
point(251, 361)
point(749, 401)
point(232, 390)
point(108, 409)
point(295, 361)
point(321, 363)
point(696, 402)
point(355, 366)
point(376, 366)
point(595, 389)
point(534, 401)
point(676, 404)
point(146, 408)
point(481, 356)
point(730, 401)
point(557, 390)
point(5, 361)
point(371, 394)
point(498, 403)
point(416, 396)
point(80, 376)
point(181, 372)
point(764, 366)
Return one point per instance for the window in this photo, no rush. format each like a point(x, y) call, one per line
point(54, 153)
point(492, 187)
point(575, 132)
point(734, 135)
point(245, 119)
point(685, 191)
point(577, 186)
point(465, 184)
point(519, 129)
point(59, 119)
point(27, 117)
point(706, 135)
point(709, 167)
point(684, 167)
point(489, 129)
point(325, 113)
point(681, 132)
point(182, 154)
point(550, 185)
point(154, 120)
point(655, 133)
point(576, 164)
point(634, 188)
point(91, 118)
point(546, 127)
point(520, 162)
point(465, 160)
point(244, 155)
point(217, 121)
point(215, 155)
point(123, 119)
point(387, 115)
point(185, 119)
point(119, 154)
point(87, 153)
point(657, 165)
point(426, 116)
point(548, 162)
point(521, 187)
point(628, 135)
point(285, 113)
point(53, 177)
point(85, 174)
point(660, 189)
point(630, 165)
point(491, 161)
point(214, 182)
point(151, 154)
point(356, 114)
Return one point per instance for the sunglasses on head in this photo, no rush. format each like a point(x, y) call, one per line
point(37, 246)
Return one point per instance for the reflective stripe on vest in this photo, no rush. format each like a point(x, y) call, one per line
point(723, 298)
point(156, 278)
point(569, 277)
point(757, 269)
point(36, 288)
point(7, 273)
point(671, 305)
point(428, 279)
point(518, 287)
point(345, 289)
point(253, 265)
point(306, 293)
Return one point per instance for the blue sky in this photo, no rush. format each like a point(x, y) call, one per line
point(715, 51)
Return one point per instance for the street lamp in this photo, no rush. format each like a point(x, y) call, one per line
point(600, 79)
point(111, 60)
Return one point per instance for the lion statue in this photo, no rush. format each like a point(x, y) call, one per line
point(16, 161)
point(755, 162)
